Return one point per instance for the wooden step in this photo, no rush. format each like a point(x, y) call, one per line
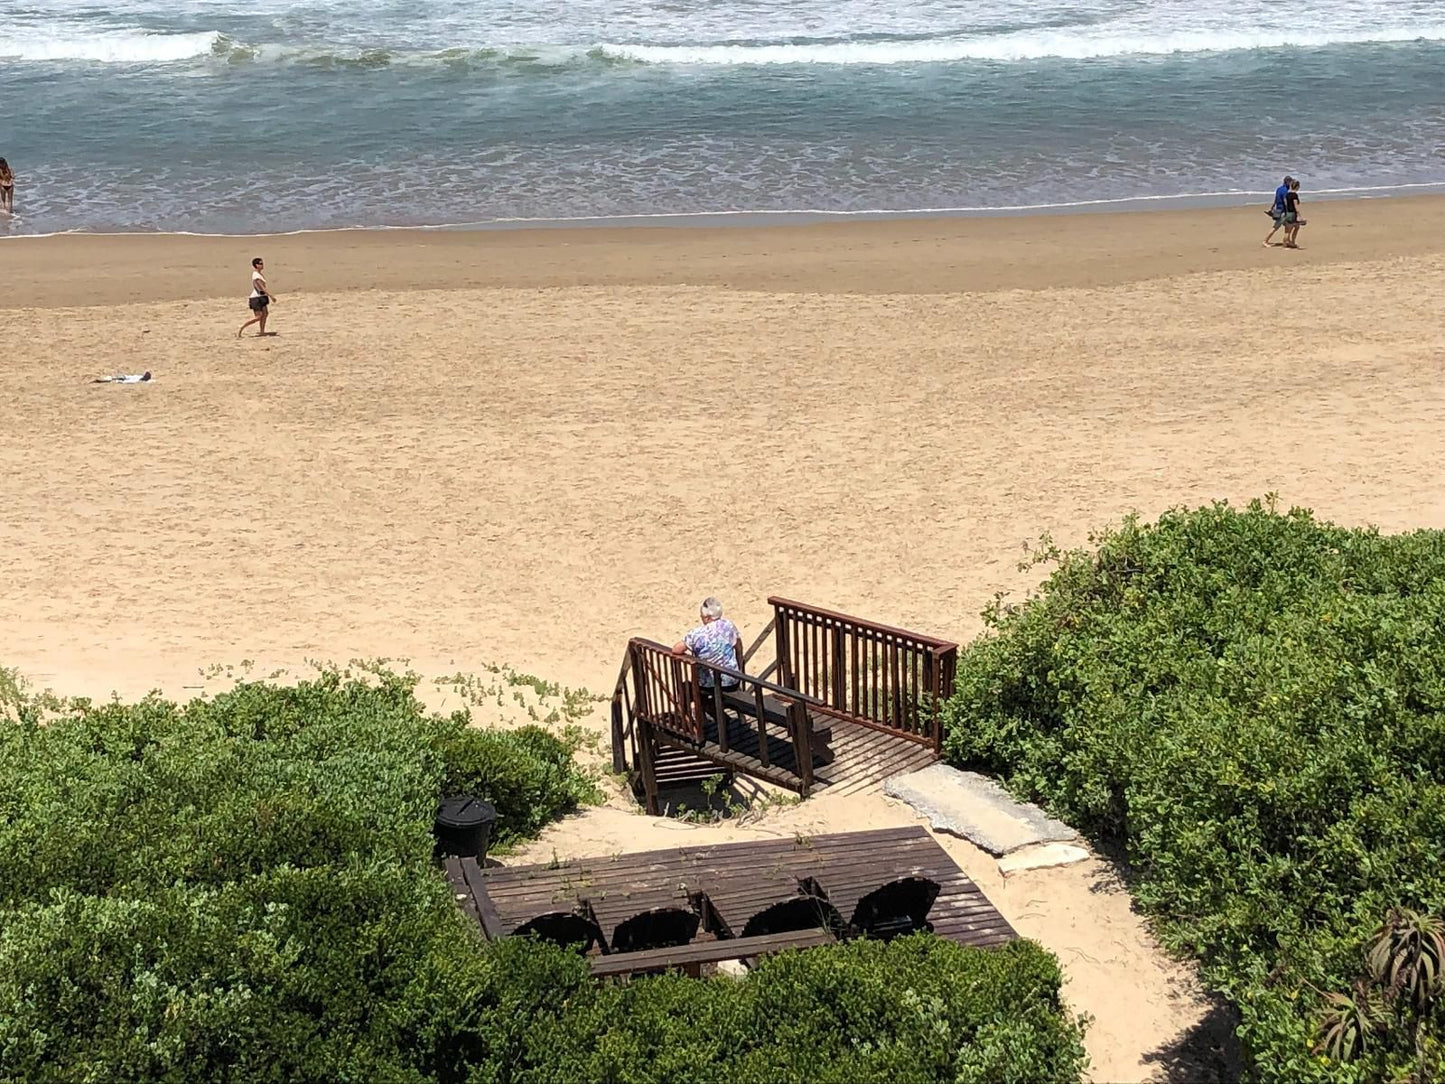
point(678, 767)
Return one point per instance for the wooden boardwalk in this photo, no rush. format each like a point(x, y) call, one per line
point(862, 758)
point(729, 883)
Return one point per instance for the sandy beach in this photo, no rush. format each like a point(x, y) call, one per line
point(526, 446)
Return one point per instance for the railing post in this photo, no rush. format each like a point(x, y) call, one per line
point(719, 714)
point(947, 670)
point(931, 674)
point(619, 707)
point(839, 693)
point(646, 753)
point(619, 756)
point(699, 720)
point(802, 728)
point(785, 664)
point(762, 725)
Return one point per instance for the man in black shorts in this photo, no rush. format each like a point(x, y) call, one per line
point(260, 299)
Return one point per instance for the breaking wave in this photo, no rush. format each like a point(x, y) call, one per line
point(1023, 45)
point(141, 47)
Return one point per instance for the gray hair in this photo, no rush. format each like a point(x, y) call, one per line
point(711, 607)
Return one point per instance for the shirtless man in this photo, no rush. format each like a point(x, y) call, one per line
point(260, 297)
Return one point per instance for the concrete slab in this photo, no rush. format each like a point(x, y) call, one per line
point(978, 809)
point(1041, 856)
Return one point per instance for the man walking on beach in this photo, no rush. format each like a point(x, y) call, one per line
point(260, 299)
point(1281, 197)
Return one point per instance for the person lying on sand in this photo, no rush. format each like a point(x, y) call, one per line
point(124, 378)
point(717, 640)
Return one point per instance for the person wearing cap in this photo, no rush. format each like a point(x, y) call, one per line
point(1276, 212)
point(717, 640)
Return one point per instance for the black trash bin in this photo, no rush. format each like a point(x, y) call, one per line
point(463, 827)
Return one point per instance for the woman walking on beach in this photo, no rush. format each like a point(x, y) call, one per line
point(260, 299)
point(7, 188)
point(1292, 220)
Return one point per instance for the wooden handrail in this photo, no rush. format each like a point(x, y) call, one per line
point(621, 731)
point(728, 671)
point(849, 619)
point(759, 642)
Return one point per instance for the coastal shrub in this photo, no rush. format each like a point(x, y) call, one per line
point(331, 770)
point(919, 1009)
point(242, 889)
point(527, 773)
point(1252, 704)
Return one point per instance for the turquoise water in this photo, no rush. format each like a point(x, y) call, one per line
point(206, 116)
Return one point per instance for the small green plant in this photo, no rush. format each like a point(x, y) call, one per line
point(1349, 1024)
point(1407, 957)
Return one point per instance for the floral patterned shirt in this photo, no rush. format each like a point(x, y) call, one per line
point(714, 642)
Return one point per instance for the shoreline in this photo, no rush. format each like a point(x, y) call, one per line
point(929, 255)
point(802, 216)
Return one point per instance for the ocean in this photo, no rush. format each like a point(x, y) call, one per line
point(213, 116)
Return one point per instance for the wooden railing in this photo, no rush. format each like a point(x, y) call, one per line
point(624, 733)
point(668, 690)
point(883, 677)
point(626, 693)
point(825, 663)
point(671, 703)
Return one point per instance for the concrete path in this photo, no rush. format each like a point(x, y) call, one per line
point(978, 809)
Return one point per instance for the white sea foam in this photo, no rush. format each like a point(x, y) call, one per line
point(71, 41)
point(1028, 45)
point(104, 46)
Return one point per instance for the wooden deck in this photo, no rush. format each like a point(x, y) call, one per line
point(731, 882)
point(862, 758)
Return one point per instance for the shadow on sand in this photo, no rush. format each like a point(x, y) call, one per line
point(1208, 1053)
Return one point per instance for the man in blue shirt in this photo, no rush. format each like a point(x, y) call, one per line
point(1276, 212)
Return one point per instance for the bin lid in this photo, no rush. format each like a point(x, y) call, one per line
point(461, 812)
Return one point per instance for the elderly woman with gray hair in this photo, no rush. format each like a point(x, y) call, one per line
point(717, 640)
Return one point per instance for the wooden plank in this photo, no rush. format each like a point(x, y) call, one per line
point(461, 891)
point(486, 910)
point(701, 952)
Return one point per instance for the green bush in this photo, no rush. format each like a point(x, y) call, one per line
point(917, 1010)
point(242, 890)
point(527, 773)
point(330, 770)
point(1253, 704)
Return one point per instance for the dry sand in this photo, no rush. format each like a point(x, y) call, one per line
point(465, 448)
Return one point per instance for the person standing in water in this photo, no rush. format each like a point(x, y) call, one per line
point(7, 188)
point(260, 299)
